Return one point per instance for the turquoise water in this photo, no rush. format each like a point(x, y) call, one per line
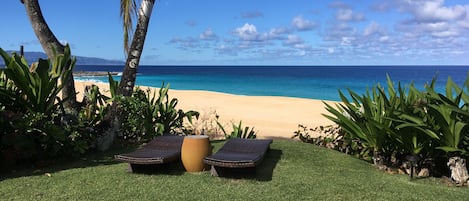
point(314, 82)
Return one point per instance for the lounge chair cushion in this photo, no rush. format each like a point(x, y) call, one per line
point(162, 149)
point(240, 153)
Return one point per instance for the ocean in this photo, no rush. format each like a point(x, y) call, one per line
point(313, 82)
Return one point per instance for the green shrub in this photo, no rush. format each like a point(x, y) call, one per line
point(406, 121)
point(38, 85)
point(366, 118)
point(239, 131)
point(35, 125)
point(148, 114)
point(31, 110)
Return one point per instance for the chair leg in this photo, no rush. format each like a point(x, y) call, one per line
point(131, 168)
point(213, 171)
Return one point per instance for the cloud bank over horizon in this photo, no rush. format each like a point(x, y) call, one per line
point(344, 32)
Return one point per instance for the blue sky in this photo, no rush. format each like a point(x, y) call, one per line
point(260, 32)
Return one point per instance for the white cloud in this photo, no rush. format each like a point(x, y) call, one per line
point(347, 14)
point(437, 26)
point(381, 6)
point(372, 28)
point(433, 10)
point(226, 50)
point(302, 53)
point(383, 38)
point(279, 31)
point(274, 33)
point(347, 41)
point(302, 24)
point(208, 34)
point(432, 20)
point(293, 40)
point(444, 34)
point(436, 29)
point(187, 43)
point(296, 42)
point(336, 31)
point(464, 23)
point(247, 32)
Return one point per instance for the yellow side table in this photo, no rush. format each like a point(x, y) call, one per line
point(194, 149)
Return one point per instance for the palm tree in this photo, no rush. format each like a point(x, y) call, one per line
point(128, 9)
point(50, 44)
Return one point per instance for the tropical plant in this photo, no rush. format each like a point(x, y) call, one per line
point(35, 123)
point(453, 130)
point(449, 118)
point(365, 118)
point(168, 118)
point(411, 121)
point(239, 131)
point(51, 45)
point(148, 114)
point(407, 121)
point(38, 85)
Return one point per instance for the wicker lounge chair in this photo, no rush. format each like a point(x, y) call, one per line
point(163, 149)
point(238, 156)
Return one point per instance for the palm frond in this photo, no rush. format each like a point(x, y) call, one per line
point(128, 11)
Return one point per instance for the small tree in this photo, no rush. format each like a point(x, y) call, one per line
point(51, 45)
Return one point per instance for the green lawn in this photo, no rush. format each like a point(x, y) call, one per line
point(291, 171)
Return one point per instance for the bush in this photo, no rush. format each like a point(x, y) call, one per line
point(35, 126)
point(148, 115)
point(405, 121)
point(239, 131)
point(34, 123)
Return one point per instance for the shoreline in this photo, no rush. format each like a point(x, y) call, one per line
point(271, 116)
point(93, 73)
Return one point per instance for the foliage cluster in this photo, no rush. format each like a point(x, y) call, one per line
point(33, 120)
point(149, 114)
point(238, 131)
point(390, 125)
point(35, 126)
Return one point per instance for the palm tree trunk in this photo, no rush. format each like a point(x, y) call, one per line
point(112, 121)
point(129, 75)
point(49, 42)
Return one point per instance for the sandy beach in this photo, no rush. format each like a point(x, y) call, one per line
point(270, 116)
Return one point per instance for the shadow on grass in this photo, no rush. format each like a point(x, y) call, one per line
point(266, 170)
point(173, 168)
point(56, 165)
point(263, 172)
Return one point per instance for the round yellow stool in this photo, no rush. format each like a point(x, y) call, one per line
point(194, 149)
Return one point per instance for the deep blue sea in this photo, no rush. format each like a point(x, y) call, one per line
point(314, 82)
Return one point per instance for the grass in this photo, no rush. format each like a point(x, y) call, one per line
point(290, 171)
